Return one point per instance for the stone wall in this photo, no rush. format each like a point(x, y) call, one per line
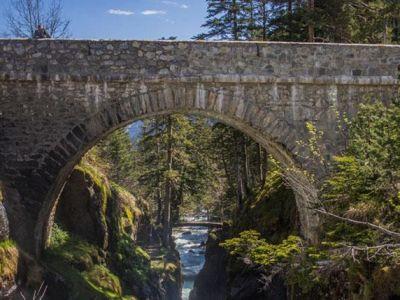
point(59, 97)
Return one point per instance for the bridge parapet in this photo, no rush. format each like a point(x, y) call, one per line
point(121, 61)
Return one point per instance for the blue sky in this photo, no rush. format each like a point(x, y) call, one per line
point(131, 19)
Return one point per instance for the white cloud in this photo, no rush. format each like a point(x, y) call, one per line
point(174, 3)
point(120, 12)
point(148, 12)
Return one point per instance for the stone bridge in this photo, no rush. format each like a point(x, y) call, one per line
point(200, 224)
point(58, 98)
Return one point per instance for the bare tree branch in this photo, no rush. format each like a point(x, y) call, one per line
point(355, 222)
point(23, 17)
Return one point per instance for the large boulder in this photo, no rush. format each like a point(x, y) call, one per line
point(82, 205)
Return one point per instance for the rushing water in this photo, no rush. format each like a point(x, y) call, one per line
point(190, 243)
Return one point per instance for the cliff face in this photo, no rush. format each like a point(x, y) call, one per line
point(81, 206)
point(211, 282)
point(223, 277)
point(95, 250)
point(272, 212)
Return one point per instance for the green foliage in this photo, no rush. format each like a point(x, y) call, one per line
point(58, 236)
point(365, 182)
point(372, 21)
point(259, 251)
point(117, 150)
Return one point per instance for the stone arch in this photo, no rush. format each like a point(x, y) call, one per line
point(220, 103)
point(60, 96)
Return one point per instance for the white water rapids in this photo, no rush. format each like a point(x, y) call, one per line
point(190, 243)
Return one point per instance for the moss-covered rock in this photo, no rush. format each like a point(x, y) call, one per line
point(9, 259)
point(123, 216)
point(272, 212)
point(82, 205)
point(77, 269)
point(95, 252)
point(166, 267)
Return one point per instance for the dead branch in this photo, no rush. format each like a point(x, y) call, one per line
point(362, 223)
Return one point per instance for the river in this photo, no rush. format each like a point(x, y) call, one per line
point(190, 243)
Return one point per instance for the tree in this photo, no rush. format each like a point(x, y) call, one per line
point(120, 156)
point(24, 16)
point(223, 20)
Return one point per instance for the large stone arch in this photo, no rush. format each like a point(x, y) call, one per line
point(58, 98)
point(218, 103)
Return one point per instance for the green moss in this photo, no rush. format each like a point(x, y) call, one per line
point(98, 179)
point(101, 279)
point(80, 264)
point(73, 251)
point(4, 245)
point(123, 216)
point(131, 262)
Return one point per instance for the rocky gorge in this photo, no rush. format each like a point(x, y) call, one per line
point(102, 246)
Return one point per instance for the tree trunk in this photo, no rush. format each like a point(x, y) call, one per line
point(168, 190)
point(235, 27)
point(311, 28)
point(260, 164)
point(265, 165)
point(264, 20)
point(239, 175)
point(158, 192)
point(246, 168)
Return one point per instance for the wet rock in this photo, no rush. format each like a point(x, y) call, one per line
point(254, 284)
point(211, 282)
